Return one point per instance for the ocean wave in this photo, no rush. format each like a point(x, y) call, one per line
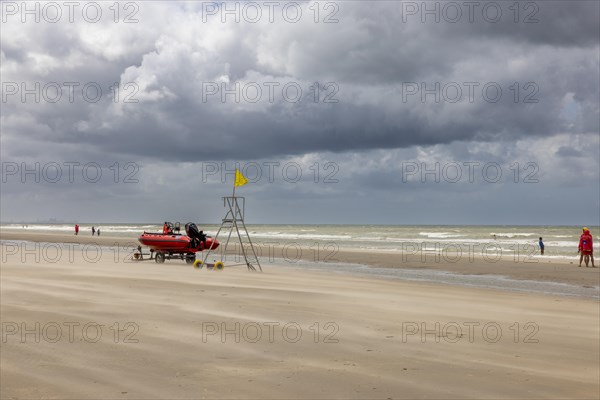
point(511, 234)
point(279, 235)
point(439, 235)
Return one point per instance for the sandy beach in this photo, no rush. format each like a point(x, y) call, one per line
point(89, 330)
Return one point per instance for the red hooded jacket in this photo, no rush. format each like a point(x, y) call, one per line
point(585, 242)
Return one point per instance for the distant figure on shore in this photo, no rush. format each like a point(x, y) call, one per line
point(76, 229)
point(98, 231)
point(93, 231)
point(494, 237)
point(541, 244)
point(586, 248)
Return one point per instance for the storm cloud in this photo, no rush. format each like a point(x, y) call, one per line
point(188, 84)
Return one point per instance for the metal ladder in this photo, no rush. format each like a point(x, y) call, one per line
point(234, 219)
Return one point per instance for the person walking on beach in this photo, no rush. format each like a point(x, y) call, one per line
point(586, 248)
point(93, 230)
point(76, 229)
point(541, 244)
point(98, 232)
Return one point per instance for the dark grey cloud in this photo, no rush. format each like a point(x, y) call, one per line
point(564, 151)
point(554, 23)
point(549, 111)
point(362, 54)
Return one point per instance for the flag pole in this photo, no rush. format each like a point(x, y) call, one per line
point(234, 181)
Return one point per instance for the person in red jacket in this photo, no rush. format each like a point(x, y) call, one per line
point(586, 248)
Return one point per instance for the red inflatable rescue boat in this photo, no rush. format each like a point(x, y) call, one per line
point(169, 244)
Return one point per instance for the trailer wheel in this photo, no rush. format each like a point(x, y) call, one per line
point(198, 264)
point(219, 266)
point(190, 259)
point(160, 257)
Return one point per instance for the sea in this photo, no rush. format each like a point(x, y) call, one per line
point(504, 240)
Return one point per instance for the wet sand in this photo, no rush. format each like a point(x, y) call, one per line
point(525, 268)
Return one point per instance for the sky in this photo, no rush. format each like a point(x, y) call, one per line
point(348, 112)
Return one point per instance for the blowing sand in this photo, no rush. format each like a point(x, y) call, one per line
point(112, 330)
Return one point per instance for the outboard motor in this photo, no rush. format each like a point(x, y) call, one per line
point(191, 230)
point(194, 234)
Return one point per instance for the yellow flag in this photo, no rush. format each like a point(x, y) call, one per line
point(240, 180)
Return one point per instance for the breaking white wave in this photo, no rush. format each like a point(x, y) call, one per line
point(439, 235)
